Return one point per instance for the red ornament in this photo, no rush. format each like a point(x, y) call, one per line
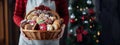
point(80, 32)
point(92, 18)
point(83, 18)
point(43, 26)
point(72, 20)
point(79, 37)
point(84, 32)
point(91, 11)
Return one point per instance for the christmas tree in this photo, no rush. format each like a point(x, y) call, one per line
point(83, 28)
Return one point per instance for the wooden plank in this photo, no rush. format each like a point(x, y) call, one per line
point(6, 22)
point(1, 24)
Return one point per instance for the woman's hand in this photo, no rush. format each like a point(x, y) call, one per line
point(62, 32)
point(22, 23)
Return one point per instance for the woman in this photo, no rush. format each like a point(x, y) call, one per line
point(22, 7)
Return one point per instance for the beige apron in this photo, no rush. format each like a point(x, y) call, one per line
point(31, 4)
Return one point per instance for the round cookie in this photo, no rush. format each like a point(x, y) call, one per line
point(34, 17)
point(49, 27)
point(39, 20)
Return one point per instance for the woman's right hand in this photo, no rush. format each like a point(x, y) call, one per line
point(22, 23)
point(62, 32)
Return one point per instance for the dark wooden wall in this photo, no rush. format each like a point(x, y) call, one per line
point(4, 34)
point(13, 29)
point(109, 16)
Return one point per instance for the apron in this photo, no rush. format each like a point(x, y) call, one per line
point(31, 4)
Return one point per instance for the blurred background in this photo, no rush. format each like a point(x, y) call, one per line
point(108, 14)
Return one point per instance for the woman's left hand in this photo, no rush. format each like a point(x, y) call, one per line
point(62, 32)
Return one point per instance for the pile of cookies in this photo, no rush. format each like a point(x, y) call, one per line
point(47, 20)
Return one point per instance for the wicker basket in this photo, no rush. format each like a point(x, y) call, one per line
point(41, 34)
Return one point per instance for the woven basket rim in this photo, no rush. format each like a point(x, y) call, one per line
point(40, 30)
point(51, 11)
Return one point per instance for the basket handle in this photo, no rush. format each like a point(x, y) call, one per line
point(28, 14)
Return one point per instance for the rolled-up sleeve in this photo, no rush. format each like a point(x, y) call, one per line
point(19, 11)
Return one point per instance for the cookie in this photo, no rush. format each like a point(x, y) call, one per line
point(34, 17)
point(29, 17)
point(49, 27)
point(52, 18)
point(39, 20)
point(29, 27)
point(56, 24)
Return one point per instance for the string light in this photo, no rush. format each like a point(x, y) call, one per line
point(90, 20)
point(98, 33)
point(75, 34)
point(90, 26)
point(94, 36)
point(86, 7)
point(77, 6)
point(72, 16)
point(81, 9)
point(69, 8)
point(76, 19)
point(89, 2)
point(97, 41)
point(85, 21)
point(71, 31)
point(84, 13)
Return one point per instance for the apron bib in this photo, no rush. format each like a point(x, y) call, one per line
point(31, 4)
